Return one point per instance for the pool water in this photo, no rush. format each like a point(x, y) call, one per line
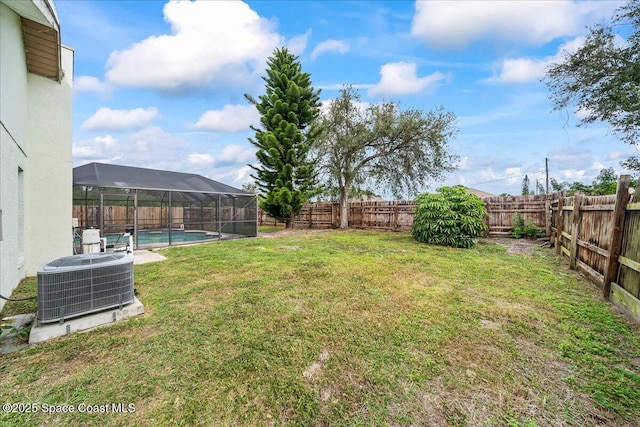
point(150, 237)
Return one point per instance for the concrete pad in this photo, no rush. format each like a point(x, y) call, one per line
point(43, 331)
point(143, 256)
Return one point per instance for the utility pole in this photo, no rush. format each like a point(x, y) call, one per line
point(546, 167)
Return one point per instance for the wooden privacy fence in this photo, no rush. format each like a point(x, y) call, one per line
point(601, 237)
point(118, 218)
point(399, 215)
point(393, 215)
point(533, 209)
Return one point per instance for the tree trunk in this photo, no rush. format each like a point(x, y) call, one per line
point(344, 207)
point(289, 223)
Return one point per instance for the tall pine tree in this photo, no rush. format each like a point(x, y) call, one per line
point(285, 177)
point(525, 186)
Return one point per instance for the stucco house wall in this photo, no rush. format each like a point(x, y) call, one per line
point(35, 157)
point(49, 183)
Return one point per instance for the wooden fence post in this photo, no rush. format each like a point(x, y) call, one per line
point(559, 223)
point(395, 216)
point(547, 217)
point(575, 230)
point(332, 221)
point(310, 214)
point(619, 210)
point(487, 219)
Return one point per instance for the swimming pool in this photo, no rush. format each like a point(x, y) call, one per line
point(157, 237)
point(150, 237)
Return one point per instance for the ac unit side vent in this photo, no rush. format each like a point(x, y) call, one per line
point(82, 284)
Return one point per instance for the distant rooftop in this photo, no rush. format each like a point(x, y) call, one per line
point(479, 193)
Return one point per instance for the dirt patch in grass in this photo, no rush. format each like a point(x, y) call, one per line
point(518, 246)
point(293, 232)
point(316, 366)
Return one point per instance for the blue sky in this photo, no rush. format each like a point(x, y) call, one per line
point(161, 85)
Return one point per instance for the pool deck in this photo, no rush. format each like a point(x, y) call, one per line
point(142, 256)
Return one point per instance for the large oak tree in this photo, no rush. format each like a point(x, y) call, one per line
point(381, 145)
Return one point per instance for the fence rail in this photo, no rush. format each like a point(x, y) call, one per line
point(502, 210)
point(399, 215)
point(601, 237)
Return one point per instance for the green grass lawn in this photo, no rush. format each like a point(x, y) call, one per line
point(268, 229)
point(344, 328)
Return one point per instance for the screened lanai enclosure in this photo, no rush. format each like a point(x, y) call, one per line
point(159, 207)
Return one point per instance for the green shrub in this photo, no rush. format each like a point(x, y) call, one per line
point(525, 229)
point(450, 217)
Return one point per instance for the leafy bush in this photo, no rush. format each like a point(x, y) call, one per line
point(525, 229)
point(450, 217)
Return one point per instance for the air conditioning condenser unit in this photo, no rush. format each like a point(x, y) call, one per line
point(81, 284)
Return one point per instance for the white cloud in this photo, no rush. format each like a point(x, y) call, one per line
point(232, 118)
point(619, 155)
point(400, 78)
point(211, 43)
point(242, 175)
point(230, 175)
point(337, 46)
point(513, 175)
point(361, 106)
point(297, 44)
point(102, 149)
point(145, 145)
point(108, 119)
point(235, 153)
point(582, 113)
point(571, 158)
point(572, 175)
point(139, 148)
point(92, 85)
point(229, 165)
point(572, 46)
point(508, 175)
point(616, 155)
point(522, 70)
point(455, 24)
point(463, 163)
point(201, 159)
